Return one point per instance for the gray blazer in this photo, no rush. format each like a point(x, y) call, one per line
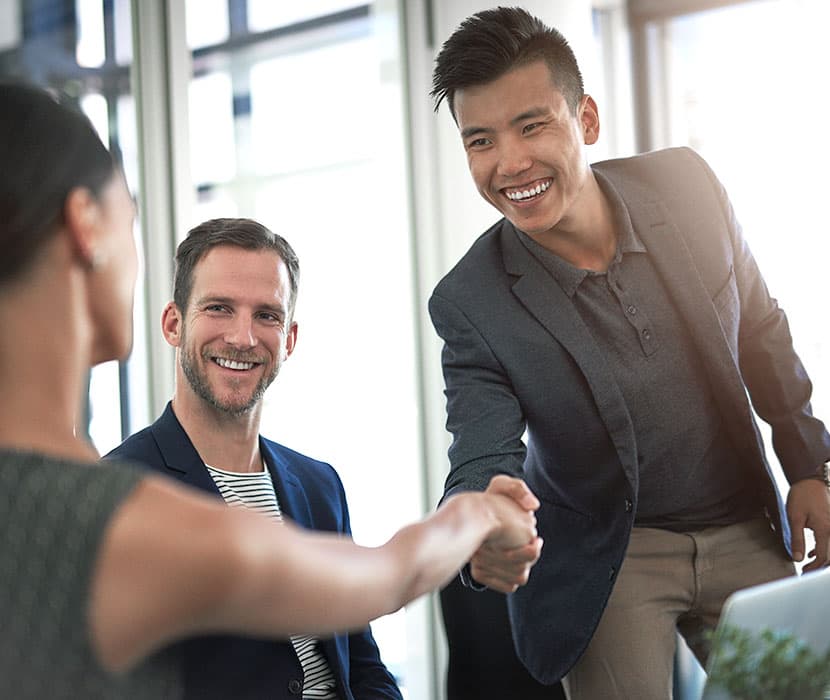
point(518, 357)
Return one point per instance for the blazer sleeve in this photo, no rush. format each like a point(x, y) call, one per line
point(484, 415)
point(368, 676)
point(776, 380)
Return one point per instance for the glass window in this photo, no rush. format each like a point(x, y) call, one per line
point(212, 140)
point(757, 115)
point(207, 22)
point(303, 131)
point(267, 14)
point(91, 51)
point(10, 24)
point(296, 127)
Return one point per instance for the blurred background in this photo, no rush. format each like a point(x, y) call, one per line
point(314, 118)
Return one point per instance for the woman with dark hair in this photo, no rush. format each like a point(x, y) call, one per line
point(94, 580)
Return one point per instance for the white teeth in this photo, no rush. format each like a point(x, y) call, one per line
point(518, 196)
point(233, 364)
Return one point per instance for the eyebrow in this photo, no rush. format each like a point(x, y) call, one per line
point(531, 113)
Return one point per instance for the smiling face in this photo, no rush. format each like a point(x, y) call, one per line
point(525, 149)
point(236, 331)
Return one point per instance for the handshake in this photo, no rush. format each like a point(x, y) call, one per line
point(504, 559)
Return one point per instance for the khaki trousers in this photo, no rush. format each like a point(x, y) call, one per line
point(670, 582)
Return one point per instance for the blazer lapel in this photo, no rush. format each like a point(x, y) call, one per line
point(290, 494)
point(179, 454)
point(551, 307)
point(678, 270)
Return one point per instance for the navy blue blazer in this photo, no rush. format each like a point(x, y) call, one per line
point(517, 357)
point(312, 495)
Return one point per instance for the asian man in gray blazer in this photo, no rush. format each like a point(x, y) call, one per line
point(616, 317)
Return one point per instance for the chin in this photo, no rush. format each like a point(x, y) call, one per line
point(113, 349)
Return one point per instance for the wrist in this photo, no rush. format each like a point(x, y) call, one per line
point(823, 474)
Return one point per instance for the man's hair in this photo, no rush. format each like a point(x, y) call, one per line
point(488, 44)
point(241, 233)
point(47, 149)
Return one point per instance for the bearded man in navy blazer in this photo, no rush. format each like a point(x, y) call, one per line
point(616, 317)
point(231, 322)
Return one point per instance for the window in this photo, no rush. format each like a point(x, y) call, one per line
point(296, 121)
point(757, 114)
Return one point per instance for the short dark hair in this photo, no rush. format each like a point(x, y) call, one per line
point(488, 44)
point(242, 233)
point(47, 149)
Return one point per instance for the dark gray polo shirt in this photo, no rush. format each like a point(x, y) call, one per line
point(690, 477)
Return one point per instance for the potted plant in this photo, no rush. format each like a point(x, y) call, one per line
point(770, 665)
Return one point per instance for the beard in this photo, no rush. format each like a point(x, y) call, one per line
point(231, 405)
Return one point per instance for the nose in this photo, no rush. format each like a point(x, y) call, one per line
point(240, 331)
point(514, 158)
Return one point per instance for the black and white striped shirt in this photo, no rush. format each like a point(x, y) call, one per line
point(256, 491)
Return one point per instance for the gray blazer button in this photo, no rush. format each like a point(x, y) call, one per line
point(295, 687)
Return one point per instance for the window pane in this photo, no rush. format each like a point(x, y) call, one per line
point(212, 142)
point(10, 25)
point(122, 18)
point(323, 126)
point(91, 50)
point(207, 22)
point(757, 116)
point(214, 203)
point(267, 14)
point(318, 135)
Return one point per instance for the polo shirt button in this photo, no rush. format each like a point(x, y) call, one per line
point(646, 333)
point(295, 687)
point(632, 309)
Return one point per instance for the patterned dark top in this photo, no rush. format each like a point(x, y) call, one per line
point(52, 516)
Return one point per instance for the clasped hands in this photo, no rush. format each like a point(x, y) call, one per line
point(504, 561)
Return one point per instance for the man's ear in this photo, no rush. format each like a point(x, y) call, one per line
point(82, 223)
point(171, 324)
point(290, 339)
point(589, 120)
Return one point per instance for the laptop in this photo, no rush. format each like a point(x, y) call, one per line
point(798, 605)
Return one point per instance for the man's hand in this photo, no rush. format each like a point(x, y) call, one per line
point(808, 505)
point(504, 561)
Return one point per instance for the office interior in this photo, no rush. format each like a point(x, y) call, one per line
point(314, 118)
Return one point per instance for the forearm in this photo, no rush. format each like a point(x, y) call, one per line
point(177, 564)
point(439, 546)
point(297, 581)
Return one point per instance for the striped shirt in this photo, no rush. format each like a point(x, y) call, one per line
point(256, 491)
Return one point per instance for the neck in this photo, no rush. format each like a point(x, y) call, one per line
point(45, 350)
point(587, 236)
point(222, 440)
